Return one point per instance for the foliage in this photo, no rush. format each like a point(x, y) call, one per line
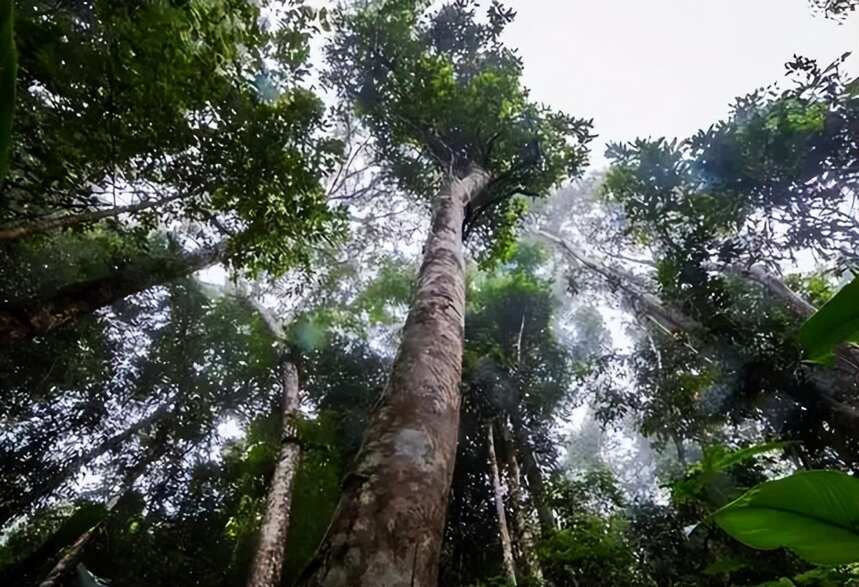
point(121, 103)
point(813, 513)
point(706, 479)
point(782, 158)
point(440, 92)
point(834, 323)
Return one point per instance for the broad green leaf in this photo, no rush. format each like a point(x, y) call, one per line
point(834, 323)
point(813, 513)
point(8, 69)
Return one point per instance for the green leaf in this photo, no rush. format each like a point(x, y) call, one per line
point(815, 514)
point(8, 69)
point(834, 323)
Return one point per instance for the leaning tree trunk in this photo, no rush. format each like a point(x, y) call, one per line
point(72, 555)
point(529, 562)
point(48, 224)
point(498, 498)
point(387, 529)
point(28, 318)
point(267, 565)
point(21, 505)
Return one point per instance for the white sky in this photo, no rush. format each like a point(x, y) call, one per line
point(664, 67)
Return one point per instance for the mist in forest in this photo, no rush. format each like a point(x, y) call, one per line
point(403, 294)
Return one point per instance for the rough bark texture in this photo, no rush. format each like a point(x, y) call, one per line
point(48, 224)
point(20, 505)
point(498, 498)
point(28, 318)
point(387, 530)
point(528, 562)
point(267, 566)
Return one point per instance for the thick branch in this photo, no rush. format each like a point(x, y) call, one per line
point(28, 318)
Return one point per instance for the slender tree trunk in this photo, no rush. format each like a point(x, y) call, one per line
point(498, 498)
point(681, 451)
point(671, 318)
point(72, 555)
point(529, 563)
point(48, 224)
point(20, 506)
point(388, 526)
point(28, 318)
point(267, 566)
point(629, 285)
point(70, 558)
point(536, 486)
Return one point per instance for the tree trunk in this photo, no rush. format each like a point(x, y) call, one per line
point(640, 299)
point(847, 357)
point(28, 318)
point(48, 224)
point(681, 452)
point(536, 487)
point(267, 566)
point(388, 526)
point(498, 498)
point(70, 558)
point(25, 501)
point(529, 563)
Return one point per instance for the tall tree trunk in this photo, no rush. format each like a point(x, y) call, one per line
point(267, 565)
point(20, 505)
point(28, 318)
point(388, 526)
point(47, 224)
point(536, 486)
point(498, 498)
point(529, 563)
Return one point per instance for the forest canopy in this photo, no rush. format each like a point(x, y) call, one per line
point(304, 294)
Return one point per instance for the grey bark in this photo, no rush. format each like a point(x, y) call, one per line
point(267, 565)
point(501, 515)
point(387, 529)
point(529, 563)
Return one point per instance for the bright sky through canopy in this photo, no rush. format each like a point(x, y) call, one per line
point(665, 67)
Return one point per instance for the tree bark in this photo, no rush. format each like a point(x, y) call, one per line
point(640, 299)
point(536, 486)
point(45, 225)
point(387, 529)
point(673, 319)
point(10, 510)
point(28, 318)
point(498, 498)
point(267, 565)
point(529, 563)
